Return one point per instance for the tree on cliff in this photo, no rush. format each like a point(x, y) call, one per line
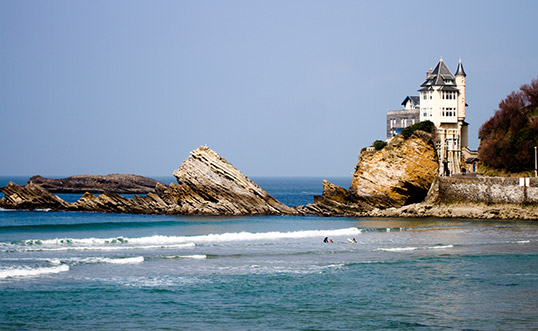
point(508, 138)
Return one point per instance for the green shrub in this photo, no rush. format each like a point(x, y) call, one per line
point(379, 144)
point(427, 126)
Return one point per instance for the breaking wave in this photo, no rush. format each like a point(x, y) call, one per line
point(31, 272)
point(159, 241)
point(404, 249)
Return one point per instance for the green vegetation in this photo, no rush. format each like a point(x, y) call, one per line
point(427, 126)
point(379, 144)
point(508, 138)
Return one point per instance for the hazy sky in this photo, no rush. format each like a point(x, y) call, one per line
point(279, 88)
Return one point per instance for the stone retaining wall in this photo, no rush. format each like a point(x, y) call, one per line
point(491, 190)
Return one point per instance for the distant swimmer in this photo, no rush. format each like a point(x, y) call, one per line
point(326, 240)
point(353, 241)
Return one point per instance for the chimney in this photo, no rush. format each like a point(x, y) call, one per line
point(428, 73)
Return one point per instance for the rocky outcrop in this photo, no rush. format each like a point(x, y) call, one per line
point(207, 185)
point(30, 196)
point(115, 203)
point(113, 183)
point(462, 210)
point(335, 201)
point(399, 174)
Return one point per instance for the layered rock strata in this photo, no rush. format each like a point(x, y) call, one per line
point(113, 183)
point(30, 196)
point(399, 174)
point(207, 185)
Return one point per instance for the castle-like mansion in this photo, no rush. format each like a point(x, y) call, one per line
point(442, 101)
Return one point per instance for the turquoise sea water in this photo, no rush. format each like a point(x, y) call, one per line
point(65, 271)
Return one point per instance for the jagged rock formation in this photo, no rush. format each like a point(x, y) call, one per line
point(399, 174)
point(335, 201)
point(30, 196)
point(113, 183)
point(207, 185)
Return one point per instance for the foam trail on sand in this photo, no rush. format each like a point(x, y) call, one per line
point(24, 272)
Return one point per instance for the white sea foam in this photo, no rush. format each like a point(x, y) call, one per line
point(126, 260)
point(31, 272)
point(106, 248)
point(523, 241)
point(159, 241)
point(194, 257)
point(398, 249)
point(404, 249)
point(54, 261)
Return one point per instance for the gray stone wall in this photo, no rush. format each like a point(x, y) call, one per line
point(491, 190)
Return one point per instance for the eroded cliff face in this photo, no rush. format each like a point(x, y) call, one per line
point(399, 174)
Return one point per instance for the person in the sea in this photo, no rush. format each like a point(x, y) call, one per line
point(326, 240)
point(354, 240)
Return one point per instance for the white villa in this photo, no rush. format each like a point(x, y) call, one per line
point(442, 101)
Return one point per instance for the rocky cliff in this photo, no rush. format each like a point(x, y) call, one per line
point(113, 183)
point(397, 175)
point(207, 185)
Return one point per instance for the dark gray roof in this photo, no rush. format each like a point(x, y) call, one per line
point(460, 71)
point(448, 88)
point(440, 76)
point(414, 99)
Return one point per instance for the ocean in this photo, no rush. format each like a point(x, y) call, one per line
point(67, 270)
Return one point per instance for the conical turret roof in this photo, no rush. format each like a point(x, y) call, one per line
point(460, 71)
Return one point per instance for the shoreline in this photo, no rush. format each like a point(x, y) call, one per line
point(447, 211)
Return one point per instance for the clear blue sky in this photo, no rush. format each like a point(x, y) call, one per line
point(279, 88)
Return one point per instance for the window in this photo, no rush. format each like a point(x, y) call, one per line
point(448, 111)
point(448, 95)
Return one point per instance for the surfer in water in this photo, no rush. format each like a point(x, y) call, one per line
point(326, 240)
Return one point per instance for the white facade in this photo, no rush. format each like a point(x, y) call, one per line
point(442, 101)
